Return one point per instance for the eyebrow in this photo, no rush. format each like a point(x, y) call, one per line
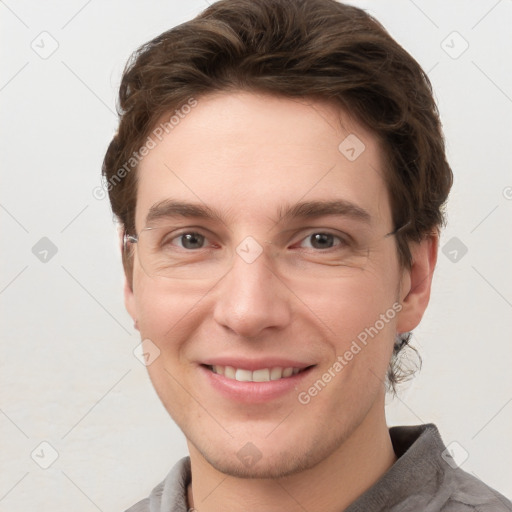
point(312, 209)
point(170, 208)
point(309, 209)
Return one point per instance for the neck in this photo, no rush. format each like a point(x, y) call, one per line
point(330, 486)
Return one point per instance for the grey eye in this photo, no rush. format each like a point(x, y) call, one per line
point(191, 240)
point(322, 240)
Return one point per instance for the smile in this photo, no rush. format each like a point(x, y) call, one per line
point(259, 375)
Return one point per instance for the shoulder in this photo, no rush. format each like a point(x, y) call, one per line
point(141, 506)
point(467, 493)
point(152, 503)
point(427, 477)
point(169, 494)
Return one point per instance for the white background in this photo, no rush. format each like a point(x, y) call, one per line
point(68, 374)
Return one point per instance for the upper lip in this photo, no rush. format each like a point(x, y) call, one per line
point(255, 364)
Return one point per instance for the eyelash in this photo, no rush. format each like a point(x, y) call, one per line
point(342, 241)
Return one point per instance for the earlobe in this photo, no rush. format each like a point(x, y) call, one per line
point(417, 282)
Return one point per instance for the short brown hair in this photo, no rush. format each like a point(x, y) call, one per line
point(318, 49)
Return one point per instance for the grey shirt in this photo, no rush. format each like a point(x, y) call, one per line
point(422, 479)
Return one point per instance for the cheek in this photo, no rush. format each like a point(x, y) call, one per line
point(168, 317)
point(348, 306)
point(165, 310)
point(364, 335)
point(360, 319)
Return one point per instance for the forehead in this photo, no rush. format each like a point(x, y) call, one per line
point(247, 155)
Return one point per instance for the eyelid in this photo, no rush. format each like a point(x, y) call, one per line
point(338, 244)
point(172, 235)
point(298, 235)
point(304, 233)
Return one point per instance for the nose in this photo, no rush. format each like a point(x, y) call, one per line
point(252, 298)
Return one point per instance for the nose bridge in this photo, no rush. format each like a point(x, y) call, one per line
point(251, 298)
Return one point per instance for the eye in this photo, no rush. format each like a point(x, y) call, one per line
point(189, 240)
point(322, 241)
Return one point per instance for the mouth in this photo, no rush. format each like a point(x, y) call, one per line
point(258, 375)
point(252, 381)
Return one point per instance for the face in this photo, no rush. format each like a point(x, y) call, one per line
point(268, 256)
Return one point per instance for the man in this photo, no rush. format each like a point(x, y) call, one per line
point(279, 173)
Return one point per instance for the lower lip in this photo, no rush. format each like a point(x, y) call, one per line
point(253, 392)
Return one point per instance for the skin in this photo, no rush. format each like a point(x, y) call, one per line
point(246, 155)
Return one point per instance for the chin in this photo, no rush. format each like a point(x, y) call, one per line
point(277, 466)
point(267, 460)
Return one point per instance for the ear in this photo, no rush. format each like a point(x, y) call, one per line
point(129, 297)
point(416, 283)
point(129, 302)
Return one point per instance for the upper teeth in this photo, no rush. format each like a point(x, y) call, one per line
point(261, 375)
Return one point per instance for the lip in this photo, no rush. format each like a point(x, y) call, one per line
point(254, 392)
point(255, 364)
